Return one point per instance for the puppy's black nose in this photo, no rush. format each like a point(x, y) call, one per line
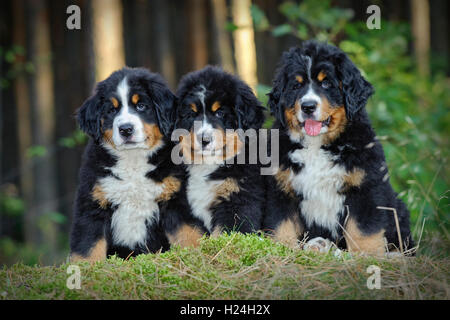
point(204, 139)
point(309, 106)
point(126, 130)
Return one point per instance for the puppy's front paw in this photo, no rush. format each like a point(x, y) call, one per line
point(318, 244)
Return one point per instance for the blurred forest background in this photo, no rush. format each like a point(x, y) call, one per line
point(47, 71)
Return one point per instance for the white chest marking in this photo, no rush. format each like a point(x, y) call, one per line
point(319, 182)
point(201, 191)
point(134, 195)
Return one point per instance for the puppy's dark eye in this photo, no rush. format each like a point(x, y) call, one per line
point(141, 107)
point(111, 109)
point(325, 84)
point(297, 85)
point(219, 114)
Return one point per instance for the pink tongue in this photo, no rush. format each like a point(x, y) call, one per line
point(312, 127)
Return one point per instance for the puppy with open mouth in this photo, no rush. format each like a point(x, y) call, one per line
point(223, 193)
point(332, 181)
point(127, 178)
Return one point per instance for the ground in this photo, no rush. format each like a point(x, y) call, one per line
point(235, 266)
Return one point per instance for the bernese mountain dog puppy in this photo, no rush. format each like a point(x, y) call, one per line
point(127, 177)
point(332, 181)
point(225, 192)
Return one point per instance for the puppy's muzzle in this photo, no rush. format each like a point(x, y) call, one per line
point(126, 130)
point(308, 108)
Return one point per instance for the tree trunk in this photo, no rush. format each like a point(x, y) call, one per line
point(137, 28)
point(73, 81)
point(40, 88)
point(420, 23)
point(223, 36)
point(23, 123)
point(198, 34)
point(244, 42)
point(108, 37)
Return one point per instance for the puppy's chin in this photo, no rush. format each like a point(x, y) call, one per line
point(132, 145)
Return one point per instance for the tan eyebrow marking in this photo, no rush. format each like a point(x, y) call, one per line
point(114, 102)
point(299, 79)
point(216, 105)
point(193, 107)
point(135, 98)
point(321, 76)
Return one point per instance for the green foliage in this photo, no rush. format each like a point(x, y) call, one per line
point(11, 205)
point(410, 115)
point(230, 26)
point(36, 151)
point(309, 19)
point(77, 138)
point(259, 18)
point(14, 56)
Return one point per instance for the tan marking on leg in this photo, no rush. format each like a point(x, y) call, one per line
point(217, 231)
point(321, 76)
point(216, 105)
point(357, 241)
point(97, 253)
point(135, 98)
point(289, 231)
point(114, 101)
point(283, 178)
point(185, 236)
point(225, 189)
point(353, 178)
point(153, 133)
point(99, 196)
point(171, 186)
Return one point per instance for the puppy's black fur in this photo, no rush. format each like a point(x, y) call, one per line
point(125, 188)
point(334, 178)
point(222, 196)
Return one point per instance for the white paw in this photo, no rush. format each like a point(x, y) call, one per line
point(394, 255)
point(318, 244)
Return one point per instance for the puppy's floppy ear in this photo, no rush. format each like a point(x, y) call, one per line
point(275, 96)
point(89, 117)
point(164, 102)
point(248, 108)
point(356, 89)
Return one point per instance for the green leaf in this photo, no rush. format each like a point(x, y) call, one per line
point(11, 205)
point(230, 26)
point(36, 151)
point(57, 217)
point(302, 32)
point(259, 18)
point(281, 30)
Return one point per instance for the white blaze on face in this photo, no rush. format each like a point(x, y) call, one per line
point(125, 117)
point(310, 95)
point(204, 128)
